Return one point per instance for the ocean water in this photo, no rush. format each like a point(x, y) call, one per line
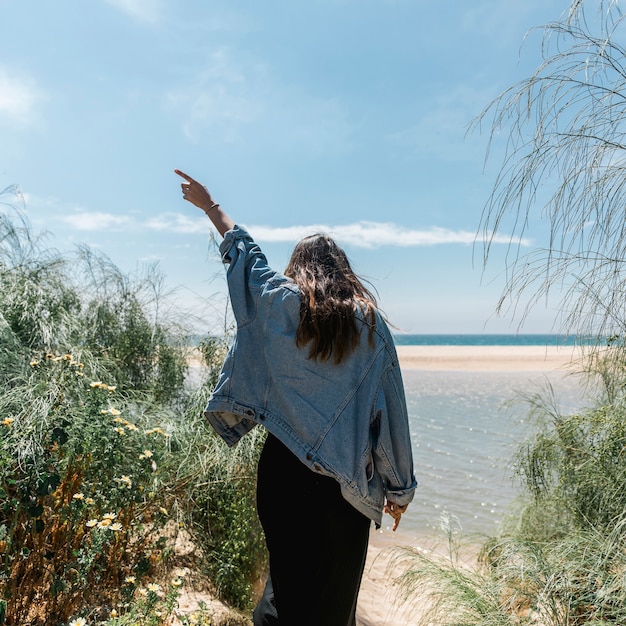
point(466, 428)
point(491, 340)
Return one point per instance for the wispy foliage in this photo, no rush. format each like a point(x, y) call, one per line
point(563, 131)
point(559, 559)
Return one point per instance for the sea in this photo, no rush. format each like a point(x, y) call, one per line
point(466, 428)
point(491, 340)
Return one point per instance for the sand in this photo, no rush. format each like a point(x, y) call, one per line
point(381, 602)
point(488, 358)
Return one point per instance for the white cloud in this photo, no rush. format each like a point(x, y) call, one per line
point(377, 234)
point(18, 96)
point(142, 10)
point(95, 221)
point(363, 234)
point(166, 222)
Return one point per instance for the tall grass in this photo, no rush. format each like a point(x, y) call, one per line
point(215, 496)
point(103, 447)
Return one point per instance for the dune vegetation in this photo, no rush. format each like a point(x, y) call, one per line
point(105, 458)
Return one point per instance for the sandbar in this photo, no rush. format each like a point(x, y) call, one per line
point(489, 358)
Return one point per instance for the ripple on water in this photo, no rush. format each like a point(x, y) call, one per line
point(465, 429)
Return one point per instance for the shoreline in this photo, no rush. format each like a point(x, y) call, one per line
point(484, 358)
point(489, 358)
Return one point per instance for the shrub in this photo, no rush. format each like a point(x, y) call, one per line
point(79, 491)
point(578, 462)
point(102, 443)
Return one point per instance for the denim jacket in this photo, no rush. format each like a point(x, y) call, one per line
point(348, 421)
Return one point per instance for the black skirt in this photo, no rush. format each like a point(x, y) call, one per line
point(317, 544)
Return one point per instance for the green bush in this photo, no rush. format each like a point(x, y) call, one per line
point(80, 491)
point(224, 517)
point(103, 445)
point(125, 328)
point(578, 462)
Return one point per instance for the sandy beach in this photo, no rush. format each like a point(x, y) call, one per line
point(488, 358)
point(380, 599)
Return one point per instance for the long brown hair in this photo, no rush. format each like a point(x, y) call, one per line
point(331, 295)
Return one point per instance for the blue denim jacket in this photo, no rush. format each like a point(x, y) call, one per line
point(348, 421)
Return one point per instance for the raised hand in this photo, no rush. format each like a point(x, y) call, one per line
point(199, 195)
point(196, 193)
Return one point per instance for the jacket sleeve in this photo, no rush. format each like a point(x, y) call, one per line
point(247, 273)
point(393, 457)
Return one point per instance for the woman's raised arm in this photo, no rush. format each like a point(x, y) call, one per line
point(199, 195)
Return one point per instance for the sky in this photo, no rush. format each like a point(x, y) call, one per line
point(347, 116)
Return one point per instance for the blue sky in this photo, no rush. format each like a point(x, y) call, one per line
point(342, 115)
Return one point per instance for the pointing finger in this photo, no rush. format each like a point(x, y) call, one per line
point(185, 176)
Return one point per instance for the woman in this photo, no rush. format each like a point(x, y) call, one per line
point(313, 362)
